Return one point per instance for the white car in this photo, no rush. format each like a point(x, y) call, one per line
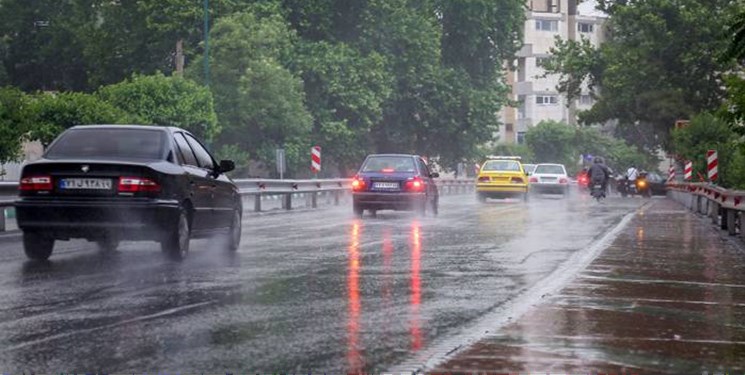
point(549, 179)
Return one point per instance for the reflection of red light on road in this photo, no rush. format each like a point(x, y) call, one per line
point(416, 249)
point(387, 262)
point(354, 359)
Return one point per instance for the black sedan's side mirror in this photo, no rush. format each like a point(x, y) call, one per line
point(434, 175)
point(226, 166)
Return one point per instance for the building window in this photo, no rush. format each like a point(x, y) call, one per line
point(585, 27)
point(509, 128)
point(586, 99)
point(545, 6)
point(547, 25)
point(547, 100)
point(520, 138)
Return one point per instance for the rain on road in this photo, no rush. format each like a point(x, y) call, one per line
point(309, 291)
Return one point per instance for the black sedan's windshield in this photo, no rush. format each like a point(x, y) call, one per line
point(104, 143)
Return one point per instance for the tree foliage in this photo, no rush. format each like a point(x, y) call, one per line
point(167, 101)
point(556, 142)
point(50, 114)
point(353, 76)
point(709, 132)
point(661, 63)
point(260, 101)
point(14, 114)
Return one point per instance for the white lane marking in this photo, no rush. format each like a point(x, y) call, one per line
point(157, 315)
point(512, 309)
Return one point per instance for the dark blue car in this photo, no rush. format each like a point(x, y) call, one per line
point(394, 182)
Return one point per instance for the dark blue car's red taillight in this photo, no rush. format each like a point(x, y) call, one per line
point(36, 183)
point(358, 184)
point(415, 184)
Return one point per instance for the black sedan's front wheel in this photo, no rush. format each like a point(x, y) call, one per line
point(176, 243)
point(37, 246)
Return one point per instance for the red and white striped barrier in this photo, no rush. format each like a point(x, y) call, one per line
point(315, 159)
point(688, 171)
point(671, 174)
point(712, 165)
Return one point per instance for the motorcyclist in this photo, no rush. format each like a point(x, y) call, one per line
point(599, 173)
point(632, 173)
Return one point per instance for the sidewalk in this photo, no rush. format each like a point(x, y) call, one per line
point(667, 297)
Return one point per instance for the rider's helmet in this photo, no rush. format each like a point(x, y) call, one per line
point(598, 160)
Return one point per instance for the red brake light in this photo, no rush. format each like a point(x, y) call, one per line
point(534, 179)
point(415, 184)
point(516, 180)
point(35, 183)
point(563, 181)
point(484, 179)
point(137, 184)
point(387, 170)
point(358, 184)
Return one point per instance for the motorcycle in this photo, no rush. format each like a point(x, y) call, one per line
point(638, 187)
point(596, 191)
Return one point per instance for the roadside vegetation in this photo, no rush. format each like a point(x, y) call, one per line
point(354, 76)
point(664, 61)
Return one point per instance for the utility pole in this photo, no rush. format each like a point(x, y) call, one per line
point(207, 42)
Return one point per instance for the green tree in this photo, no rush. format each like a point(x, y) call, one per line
point(14, 115)
point(552, 142)
point(708, 132)
point(52, 113)
point(167, 101)
point(348, 91)
point(661, 63)
point(259, 101)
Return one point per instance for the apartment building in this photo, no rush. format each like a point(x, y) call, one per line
point(537, 96)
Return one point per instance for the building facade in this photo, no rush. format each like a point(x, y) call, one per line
point(537, 97)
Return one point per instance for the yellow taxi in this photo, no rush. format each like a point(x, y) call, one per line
point(502, 177)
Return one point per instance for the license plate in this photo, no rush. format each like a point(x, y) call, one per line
point(548, 178)
point(85, 184)
point(385, 185)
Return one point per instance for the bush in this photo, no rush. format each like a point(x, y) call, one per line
point(14, 112)
point(50, 114)
point(167, 101)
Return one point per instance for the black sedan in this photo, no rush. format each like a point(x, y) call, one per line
point(394, 182)
point(108, 183)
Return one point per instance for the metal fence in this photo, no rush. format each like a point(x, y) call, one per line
point(723, 206)
point(265, 194)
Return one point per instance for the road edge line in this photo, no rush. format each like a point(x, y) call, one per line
point(488, 325)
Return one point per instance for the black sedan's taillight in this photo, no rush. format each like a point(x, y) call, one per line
point(35, 183)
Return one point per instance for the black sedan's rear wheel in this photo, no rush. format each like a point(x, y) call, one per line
point(234, 235)
point(435, 206)
point(37, 246)
point(176, 243)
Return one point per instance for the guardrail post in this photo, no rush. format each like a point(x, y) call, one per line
point(314, 199)
point(714, 212)
point(723, 222)
point(288, 201)
point(337, 193)
point(257, 202)
point(732, 222)
point(2, 219)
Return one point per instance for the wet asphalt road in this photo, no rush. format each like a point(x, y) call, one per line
point(312, 291)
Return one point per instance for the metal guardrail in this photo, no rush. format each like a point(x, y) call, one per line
point(286, 190)
point(723, 206)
